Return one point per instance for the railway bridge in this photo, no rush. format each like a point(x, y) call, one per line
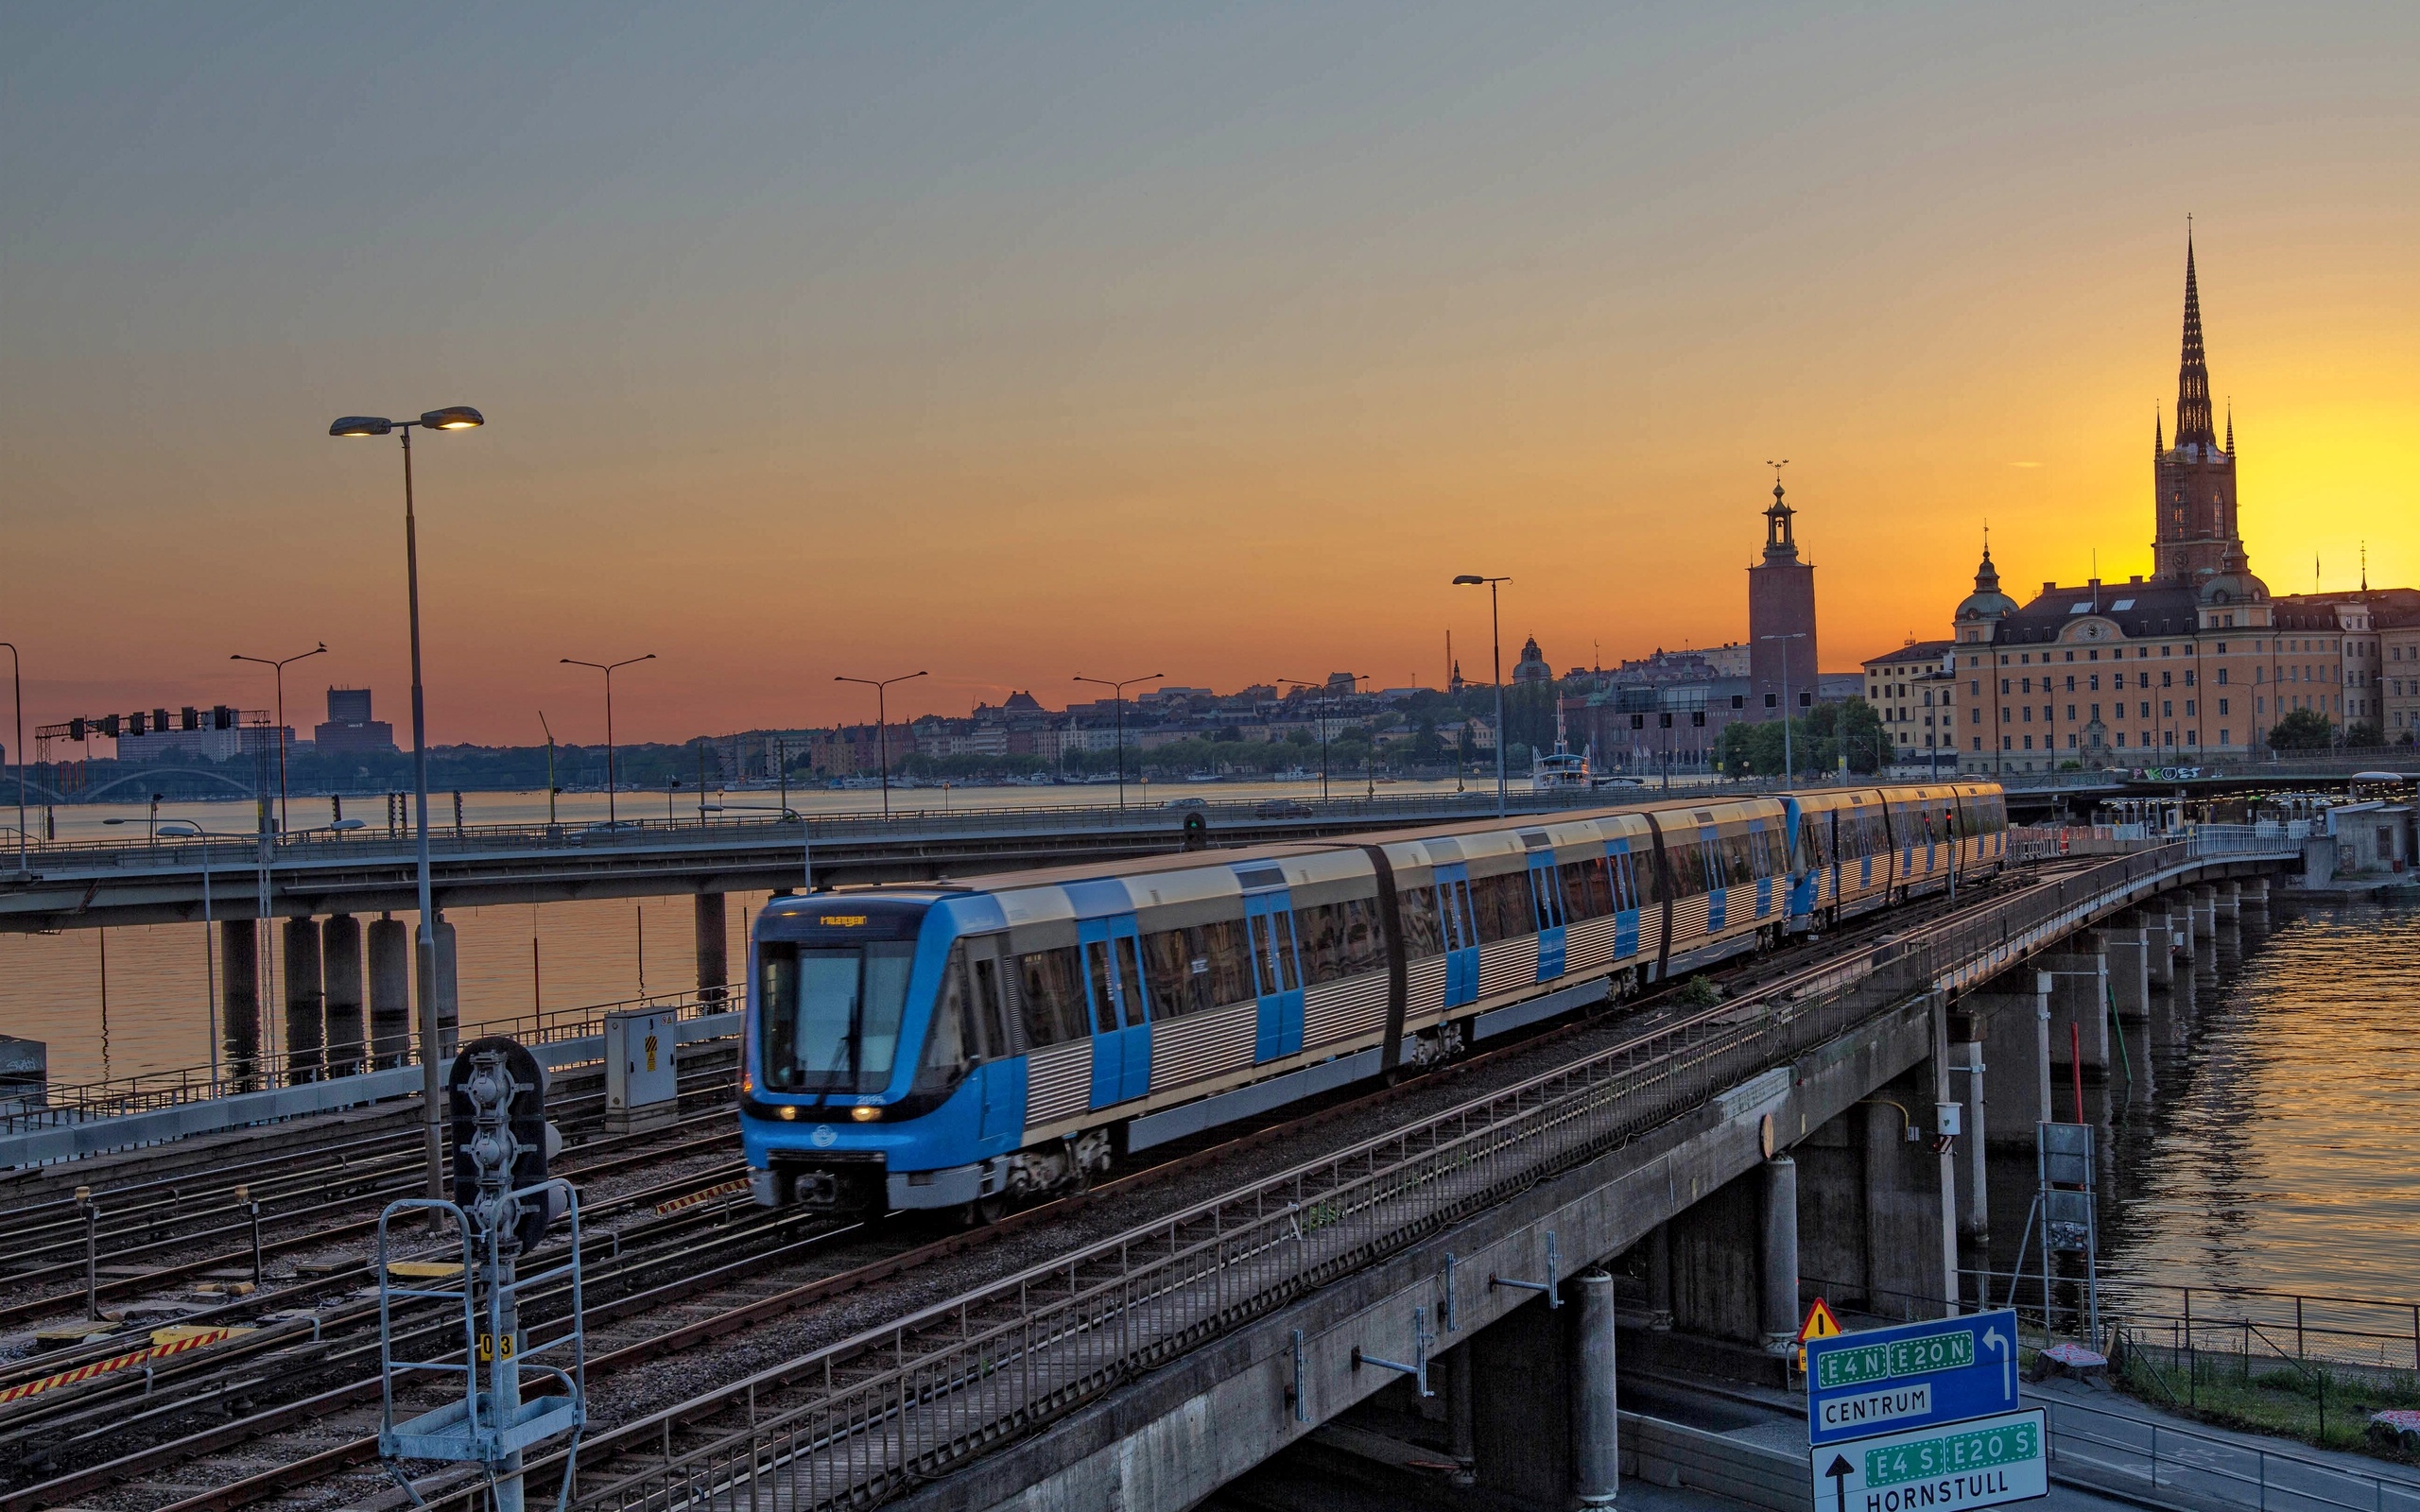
point(1460, 1265)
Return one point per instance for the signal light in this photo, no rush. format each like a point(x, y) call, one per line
point(135, 723)
point(189, 718)
point(110, 724)
point(75, 730)
point(221, 717)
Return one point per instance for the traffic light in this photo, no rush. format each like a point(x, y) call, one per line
point(75, 730)
point(134, 723)
point(221, 717)
point(190, 718)
point(160, 720)
point(525, 1117)
point(110, 724)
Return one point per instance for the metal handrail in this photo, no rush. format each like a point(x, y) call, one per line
point(2206, 1468)
point(906, 1400)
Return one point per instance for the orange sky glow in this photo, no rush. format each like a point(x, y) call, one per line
point(1015, 345)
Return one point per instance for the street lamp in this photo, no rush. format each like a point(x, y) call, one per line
point(1117, 696)
point(612, 815)
point(17, 679)
point(1789, 766)
point(1496, 642)
point(882, 724)
point(457, 417)
point(279, 667)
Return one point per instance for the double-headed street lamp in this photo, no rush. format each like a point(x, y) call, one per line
point(612, 818)
point(882, 724)
point(279, 667)
point(1495, 642)
point(458, 418)
point(1117, 696)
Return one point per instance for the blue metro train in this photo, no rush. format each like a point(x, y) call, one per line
point(961, 1045)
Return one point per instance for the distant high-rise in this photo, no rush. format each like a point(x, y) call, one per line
point(1781, 621)
point(349, 727)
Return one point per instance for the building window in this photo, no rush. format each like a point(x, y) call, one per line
point(2222, 672)
point(2096, 683)
point(2222, 709)
point(2172, 737)
point(2166, 679)
point(2192, 737)
point(2028, 743)
point(2029, 720)
point(2188, 676)
point(2122, 740)
point(2222, 738)
point(2168, 708)
point(2008, 743)
point(2071, 710)
point(1978, 743)
point(1974, 716)
point(2071, 743)
point(2188, 708)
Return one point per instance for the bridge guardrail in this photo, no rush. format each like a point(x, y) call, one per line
point(899, 1404)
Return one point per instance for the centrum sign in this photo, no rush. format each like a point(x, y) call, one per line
point(1911, 1376)
point(1985, 1462)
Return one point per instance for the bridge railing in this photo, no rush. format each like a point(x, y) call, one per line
point(898, 1405)
point(64, 1103)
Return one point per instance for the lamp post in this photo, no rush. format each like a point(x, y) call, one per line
point(551, 788)
point(457, 417)
point(17, 679)
point(613, 813)
point(1495, 642)
point(279, 667)
point(1117, 697)
point(1789, 763)
point(882, 724)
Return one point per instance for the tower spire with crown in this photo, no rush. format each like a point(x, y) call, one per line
point(2193, 368)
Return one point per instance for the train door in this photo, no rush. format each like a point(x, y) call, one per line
point(1460, 934)
point(1547, 911)
point(1122, 1015)
point(1626, 868)
point(1276, 973)
point(1003, 1070)
point(1718, 876)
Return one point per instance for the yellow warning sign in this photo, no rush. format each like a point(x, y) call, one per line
point(1820, 1324)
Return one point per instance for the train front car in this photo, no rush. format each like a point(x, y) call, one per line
point(874, 1075)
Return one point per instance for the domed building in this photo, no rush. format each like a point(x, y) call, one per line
point(1532, 666)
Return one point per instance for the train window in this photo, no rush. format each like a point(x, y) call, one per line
point(991, 1024)
point(1361, 951)
point(1585, 893)
point(1501, 907)
point(1180, 976)
point(1106, 981)
point(832, 1014)
point(1273, 947)
point(1422, 935)
point(1054, 997)
point(1546, 899)
point(1320, 929)
point(946, 1038)
point(1221, 944)
point(1811, 828)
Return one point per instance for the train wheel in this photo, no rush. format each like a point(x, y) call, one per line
point(984, 1211)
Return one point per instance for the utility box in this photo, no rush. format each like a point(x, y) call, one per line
point(642, 1088)
point(24, 1077)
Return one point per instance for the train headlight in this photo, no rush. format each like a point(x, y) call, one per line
point(865, 1113)
point(788, 1112)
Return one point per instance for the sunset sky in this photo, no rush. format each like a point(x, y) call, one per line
point(1019, 342)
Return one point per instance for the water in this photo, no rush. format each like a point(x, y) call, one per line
point(2276, 1149)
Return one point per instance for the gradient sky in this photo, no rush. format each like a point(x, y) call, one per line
point(1018, 342)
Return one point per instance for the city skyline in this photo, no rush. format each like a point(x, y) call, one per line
point(1026, 353)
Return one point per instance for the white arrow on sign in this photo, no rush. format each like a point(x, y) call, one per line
point(1992, 1336)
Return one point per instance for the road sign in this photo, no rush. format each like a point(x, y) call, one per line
point(1986, 1462)
point(1911, 1376)
point(1820, 1324)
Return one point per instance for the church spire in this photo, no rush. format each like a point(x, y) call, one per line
point(2193, 373)
point(2159, 446)
point(2230, 427)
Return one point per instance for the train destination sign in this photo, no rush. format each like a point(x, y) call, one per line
point(1982, 1462)
point(1885, 1380)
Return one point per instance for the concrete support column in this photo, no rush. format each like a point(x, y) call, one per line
point(390, 992)
point(1659, 1276)
point(239, 995)
point(2230, 901)
point(441, 990)
point(1912, 1239)
point(714, 968)
point(1521, 1406)
point(2159, 930)
point(2205, 913)
point(2128, 952)
point(2079, 1011)
point(340, 973)
point(306, 1033)
point(1966, 1031)
point(2181, 920)
point(2015, 1011)
point(1595, 1422)
point(2255, 896)
point(1460, 1420)
point(1777, 1255)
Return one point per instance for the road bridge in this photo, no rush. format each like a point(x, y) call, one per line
point(1718, 1152)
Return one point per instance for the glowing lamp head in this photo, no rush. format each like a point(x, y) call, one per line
point(865, 1112)
point(455, 418)
point(1469, 580)
point(362, 425)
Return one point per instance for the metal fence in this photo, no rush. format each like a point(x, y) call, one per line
point(2137, 1454)
point(893, 1406)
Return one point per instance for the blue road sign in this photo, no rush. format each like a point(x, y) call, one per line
point(1889, 1381)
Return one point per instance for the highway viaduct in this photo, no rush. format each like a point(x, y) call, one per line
point(1720, 1154)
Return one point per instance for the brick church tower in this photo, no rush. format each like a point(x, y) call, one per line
point(2197, 540)
point(1781, 603)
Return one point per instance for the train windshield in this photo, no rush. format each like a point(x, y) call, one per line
point(832, 1013)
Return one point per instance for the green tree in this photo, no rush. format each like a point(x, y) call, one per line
point(2364, 732)
point(2303, 730)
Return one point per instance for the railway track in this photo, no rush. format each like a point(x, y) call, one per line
point(720, 1296)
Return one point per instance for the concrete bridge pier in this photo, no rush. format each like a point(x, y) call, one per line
point(1530, 1400)
point(1876, 1200)
point(1777, 1269)
point(1734, 1264)
point(239, 997)
point(307, 1036)
point(2229, 899)
point(340, 976)
point(713, 935)
point(2128, 952)
point(2253, 903)
point(2159, 936)
point(2206, 915)
point(2182, 924)
point(2013, 1013)
point(390, 992)
point(2079, 1014)
point(1658, 1247)
point(441, 989)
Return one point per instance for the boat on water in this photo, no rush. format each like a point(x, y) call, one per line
point(1202, 777)
point(1559, 771)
